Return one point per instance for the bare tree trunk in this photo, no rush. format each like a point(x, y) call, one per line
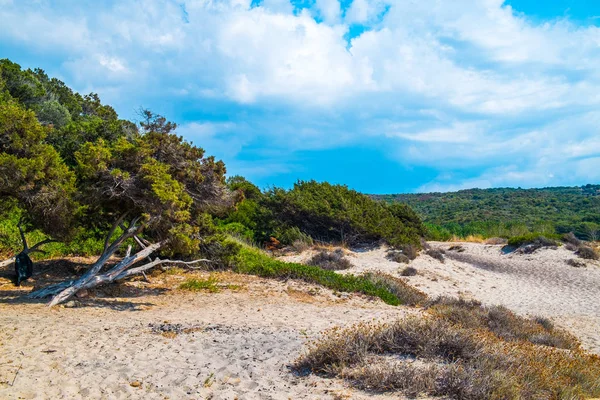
point(110, 276)
point(65, 290)
point(109, 250)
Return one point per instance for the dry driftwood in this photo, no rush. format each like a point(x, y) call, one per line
point(92, 277)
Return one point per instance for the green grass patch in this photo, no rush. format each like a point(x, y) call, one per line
point(194, 284)
point(254, 262)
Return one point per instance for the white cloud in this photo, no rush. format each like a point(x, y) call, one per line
point(501, 93)
point(329, 10)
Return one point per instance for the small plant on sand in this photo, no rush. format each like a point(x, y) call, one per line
point(408, 271)
point(410, 251)
point(438, 254)
point(397, 256)
point(576, 263)
point(587, 253)
point(330, 260)
point(457, 247)
point(194, 284)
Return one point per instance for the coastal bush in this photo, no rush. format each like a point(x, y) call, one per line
point(335, 213)
point(435, 357)
point(330, 260)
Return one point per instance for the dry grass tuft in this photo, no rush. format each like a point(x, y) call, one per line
point(587, 253)
point(330, 260)
point(438, 254)
point(434, 356)
point(409, 271)
point(496, 241)
point(397, 256)
point(502, 322)
point(457, 247)
point(407, 294)
point(576, 263)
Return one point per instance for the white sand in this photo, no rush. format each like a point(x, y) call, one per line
point(242, 346)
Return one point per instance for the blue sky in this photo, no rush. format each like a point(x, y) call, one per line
point(385, 96)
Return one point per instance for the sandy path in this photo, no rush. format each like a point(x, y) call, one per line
point(241, 344)
point(539, 284)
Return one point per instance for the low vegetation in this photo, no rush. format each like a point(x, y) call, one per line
point(409, 295)
point(194, 284)
point(408, 271)
point(502, 322)
point(438, 357)
point(330, 260)
point(438, 254)
point(320, 211)
point(392, 291)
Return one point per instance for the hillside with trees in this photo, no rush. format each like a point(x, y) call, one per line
point(506, 212)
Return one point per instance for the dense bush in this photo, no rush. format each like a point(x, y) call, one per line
point(335, 213)
point(324, 212)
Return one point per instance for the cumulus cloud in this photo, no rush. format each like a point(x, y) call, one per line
point(469, 87)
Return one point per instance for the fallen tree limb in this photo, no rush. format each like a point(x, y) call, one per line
point(7, 262)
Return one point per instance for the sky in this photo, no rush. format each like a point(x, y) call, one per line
point(385, 96)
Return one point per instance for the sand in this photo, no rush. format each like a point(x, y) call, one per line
point(150, 340)
point(237, 344)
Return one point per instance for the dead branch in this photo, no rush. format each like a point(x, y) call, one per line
point(65, 290)
point(7, 262)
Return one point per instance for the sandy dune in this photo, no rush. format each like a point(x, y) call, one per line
point(145, 340)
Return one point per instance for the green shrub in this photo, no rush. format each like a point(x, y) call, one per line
point(335, 213)
point(287, 236)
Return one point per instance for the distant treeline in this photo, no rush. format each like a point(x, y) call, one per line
point(507, 212)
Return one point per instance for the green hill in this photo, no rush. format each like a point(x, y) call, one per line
point(507, 212)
